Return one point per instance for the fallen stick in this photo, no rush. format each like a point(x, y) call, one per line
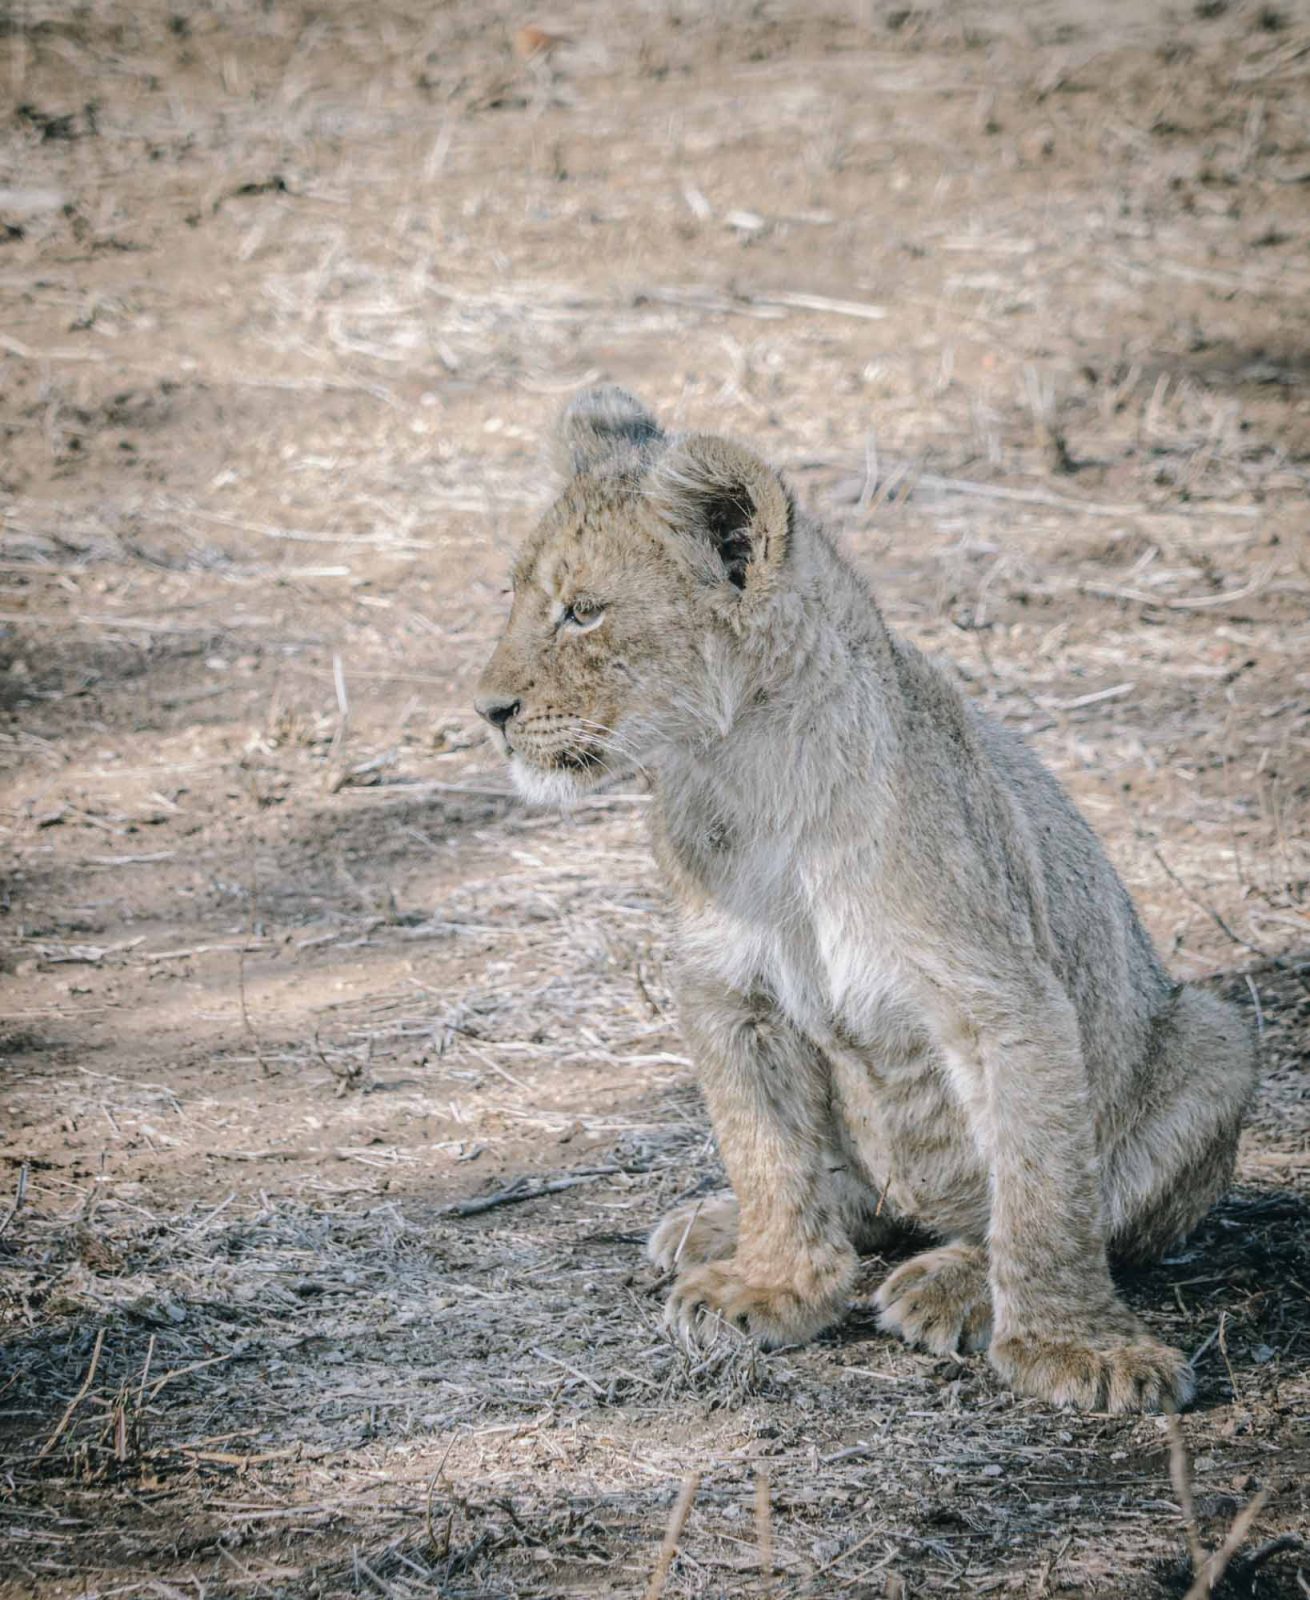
point(521, 1190)
point(1215, 1565)
point(677, 1522)
point(859, 1544)
point(1180, 1470)
point(1090, 508)
point(1196, 602)
point(19, 1197)
point(1209, 1568)
point(794, 299)
point(764, 1531)
point(77, 1399)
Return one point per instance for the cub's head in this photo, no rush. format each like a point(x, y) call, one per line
point(633, 598)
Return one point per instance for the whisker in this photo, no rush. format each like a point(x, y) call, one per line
point(595, 742)
point(605, 735)
point(609, 736)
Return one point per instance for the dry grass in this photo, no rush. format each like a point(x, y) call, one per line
point(337, 1092)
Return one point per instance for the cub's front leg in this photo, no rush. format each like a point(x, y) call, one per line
point(1060, 1331)
point(788, 1264)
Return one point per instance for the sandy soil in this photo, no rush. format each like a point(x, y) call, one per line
point(289, 295)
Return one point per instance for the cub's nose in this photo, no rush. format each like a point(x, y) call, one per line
point(497, 709)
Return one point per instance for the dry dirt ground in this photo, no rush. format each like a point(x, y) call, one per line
point(289, 293)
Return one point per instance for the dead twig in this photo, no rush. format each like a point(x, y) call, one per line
point(764, 1530)
point(1214, 916)
point(145, 1373)
point(1198, 602)
point(1089, 508)
point(77, 1399)
point(20, 1195)
point(677, 1521)
point(442, 1551)
point(837, 1560)
point(799, 300)
point(336, 751)
point(520, 1190)
point(246, 1022)
point(1180, 1474)
point(1207, 1569)
point(1214, 1566)
point(1048, 1569)
point(166, 1378)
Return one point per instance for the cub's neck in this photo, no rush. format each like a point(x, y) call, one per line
point(803, 716)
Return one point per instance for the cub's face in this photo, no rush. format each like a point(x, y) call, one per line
point(601, 617)
point(629, 600)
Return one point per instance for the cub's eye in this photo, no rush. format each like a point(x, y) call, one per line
point(582, 615)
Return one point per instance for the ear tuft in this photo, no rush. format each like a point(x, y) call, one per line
point(724, 496)
point(600, 424)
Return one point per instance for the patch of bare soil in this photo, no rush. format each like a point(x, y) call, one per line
point(288, 296)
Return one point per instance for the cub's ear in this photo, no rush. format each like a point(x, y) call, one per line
point(722, 495)
point(599, 424)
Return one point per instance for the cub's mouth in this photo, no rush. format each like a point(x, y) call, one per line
point(561, 780)
point(555, 744)
point(580, 761)
point(553, 761)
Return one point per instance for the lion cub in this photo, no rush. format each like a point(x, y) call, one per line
point(914, 987)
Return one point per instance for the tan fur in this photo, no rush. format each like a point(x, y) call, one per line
point(914, 987)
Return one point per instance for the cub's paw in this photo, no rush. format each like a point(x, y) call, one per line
point(708, 1299)
point(701, 1230)
point(1142, 1375)
point(940, 1300)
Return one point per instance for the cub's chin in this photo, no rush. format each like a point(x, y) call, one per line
point(560, 787)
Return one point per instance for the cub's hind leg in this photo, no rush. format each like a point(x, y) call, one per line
point(697, 1231)
point(939, 1299)
point(1174, 1156)
point(706, 1229)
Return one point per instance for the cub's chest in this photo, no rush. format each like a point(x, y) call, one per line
point(820, 954)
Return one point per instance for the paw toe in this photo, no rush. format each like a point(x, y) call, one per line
point(1147, 1376)
point(705, 1302)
